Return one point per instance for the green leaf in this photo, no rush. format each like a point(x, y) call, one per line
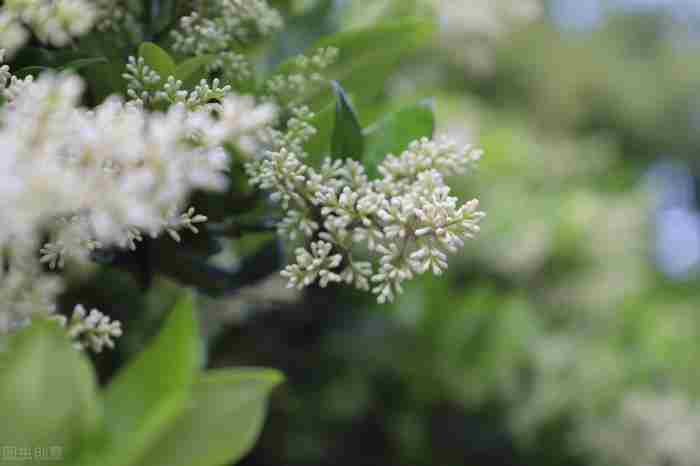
point(347, 140)
point(84, 63)
point(193, 70)
point(393, 133)
point(368, 57)
point(158, 59)
point(147, 396)
point(222, 422)
point(48, 392)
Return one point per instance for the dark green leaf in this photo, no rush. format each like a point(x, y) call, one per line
point(105, 79)
point(34, 70)
point(158, 59)
point(47, 391)
point(215, 281)
point(191, 267)
point(393, 133)
point(222, 422)
point(347, 140)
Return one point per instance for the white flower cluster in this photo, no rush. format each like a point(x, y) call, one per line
point(92, 330)
point(53, 22)
point(219, 27)
point(406, 219)
point(101, 177)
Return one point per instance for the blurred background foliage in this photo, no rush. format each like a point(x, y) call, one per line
point(568, 333)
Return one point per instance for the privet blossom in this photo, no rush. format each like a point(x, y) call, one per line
point(100, 178)
point(405, 219)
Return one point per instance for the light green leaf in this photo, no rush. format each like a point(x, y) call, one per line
point(158, 59)
point(147, 396)
point(48, 392)
point(347, 140)
point(393, 133)
point(319, 145)
point(221, 424)
point(193, 70)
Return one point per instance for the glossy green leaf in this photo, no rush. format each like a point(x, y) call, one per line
point(48, 392)
point(393, 133)
point(319, 145)
point(222, 422)
point(347, 140)
point(158, 59)
point(193, 70)
point(81, 63)
point(147, 396)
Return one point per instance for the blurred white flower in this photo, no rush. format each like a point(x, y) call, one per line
point(103, 177)
point(53, 22)
point(650, 430)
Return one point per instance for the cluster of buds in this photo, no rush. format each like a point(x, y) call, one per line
point(92, 330)
point(406, 221)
